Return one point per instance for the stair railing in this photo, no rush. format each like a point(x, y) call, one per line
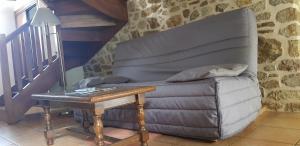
point(24, 54)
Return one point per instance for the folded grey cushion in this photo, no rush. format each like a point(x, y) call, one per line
point(115, 80)
point(209, 71)
point(94, 81)
point(87, 82)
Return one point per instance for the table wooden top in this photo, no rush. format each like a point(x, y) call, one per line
point(94, 97)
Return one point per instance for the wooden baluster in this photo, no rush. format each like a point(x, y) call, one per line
point(85, 120)
point(7, 93)
point(28, 55)
point(62, 59)
point(38, 50)
point(43, 43)
point(33, 47)
point(23, 55)
point(49, 49)
point(16, 52)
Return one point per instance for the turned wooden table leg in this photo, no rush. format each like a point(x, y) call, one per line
point(98, 127)
point(144, 135)
point(85, 121)
point(49, 133)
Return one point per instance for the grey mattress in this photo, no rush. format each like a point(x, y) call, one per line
point(209, 109)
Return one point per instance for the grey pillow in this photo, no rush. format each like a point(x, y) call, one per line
point(94, 82)
point(88, 82)
point(208, 72)
point(115, 80)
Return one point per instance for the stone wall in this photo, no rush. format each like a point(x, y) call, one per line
point(278, 28)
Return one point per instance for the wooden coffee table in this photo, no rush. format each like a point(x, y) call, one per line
point(97, 102)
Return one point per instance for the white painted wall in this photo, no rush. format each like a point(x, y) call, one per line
point(72, 76)
point(7, 25)
point(7, 18)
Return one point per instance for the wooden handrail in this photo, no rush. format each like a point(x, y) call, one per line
point(14, 34)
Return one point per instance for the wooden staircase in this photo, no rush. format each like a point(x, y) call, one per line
point(86, 26)
point(34, 69)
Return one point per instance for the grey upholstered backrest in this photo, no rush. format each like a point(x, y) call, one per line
point(229, 37)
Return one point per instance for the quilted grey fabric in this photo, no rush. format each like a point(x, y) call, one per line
point(228, 38)
point(210, 109)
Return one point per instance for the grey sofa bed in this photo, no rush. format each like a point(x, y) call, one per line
point(209, 109)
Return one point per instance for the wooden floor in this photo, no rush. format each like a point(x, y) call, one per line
point(270, 129)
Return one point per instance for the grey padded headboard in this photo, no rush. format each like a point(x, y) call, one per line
point(229, 37)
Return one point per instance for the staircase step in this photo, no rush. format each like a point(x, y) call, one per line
point(70, 7)
point(79, 21)
point(83, 35)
